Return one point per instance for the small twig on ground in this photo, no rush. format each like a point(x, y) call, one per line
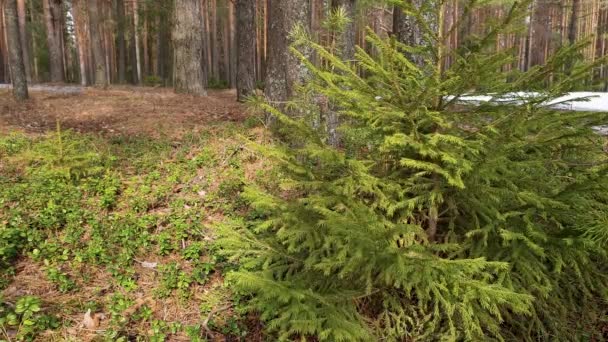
point(213, 312)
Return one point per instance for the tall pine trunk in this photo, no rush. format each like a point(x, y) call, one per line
point(23, 36)
point(101, 79)
point(79, 13)
point(136, 40)
point(53, 17)
point(284, 69)
point(347, 38)
point(346, 41)
point(188, 42)
point(120, 37)
point(246, 46)
point(18, 78)
point(406, 29)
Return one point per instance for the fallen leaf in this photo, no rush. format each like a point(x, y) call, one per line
point(90, 321)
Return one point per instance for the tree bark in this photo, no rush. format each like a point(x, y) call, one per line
point(407, 30)
point(222, 41)
point(246, 45)
point(96, 42)
point(347, 38)
point(53, 18)
point(345, 42)
point(136, 42)
point(80, 26)
point(18, 78)
point(188, 42)
point(120, 36)
point(284, 69)
point(23, 36)
point(572, 26)
point(3, 53)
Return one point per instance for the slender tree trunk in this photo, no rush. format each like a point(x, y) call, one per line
point(407, 30)
point(34, 47)
point(206, 40)
point(232, 40)
point(284, 69)
point(246, 46)
point(120, 37)
point(3, 53)
point(136, 42)
point(572, 26)
point(346, 41)
point(80, 25)
point(215, 70)
point(53, 17)
point(188, 41)
point(144, 42)
point(96, 40)
point(222, 41)
point(206, 58)
point(347, 38)
point(24, 38)
point(19, 78)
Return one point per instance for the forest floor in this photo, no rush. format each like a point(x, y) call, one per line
point(108, 203)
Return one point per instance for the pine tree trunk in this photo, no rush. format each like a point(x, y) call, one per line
point(188, 41)
point(80, 26)
point(346, 50)
point(136, 41)
point(215, 60)
point(221, 43)
point(144, 43)
point(120, 36)
point(246, 45)
point(18, 78)
point(407, 30)
point(232, 41)
point(3, 52)
point(284, 69)
point(53, 17)
point(347, 39)
point(24, 38)
point(96, 41)
point(572, 26)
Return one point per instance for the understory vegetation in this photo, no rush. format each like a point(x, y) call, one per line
point(120, 228)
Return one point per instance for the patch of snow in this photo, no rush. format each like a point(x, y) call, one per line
point(575, 101)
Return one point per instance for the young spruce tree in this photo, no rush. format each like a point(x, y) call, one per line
point(435, 220)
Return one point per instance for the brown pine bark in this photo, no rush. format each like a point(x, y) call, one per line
point(136, 40)
point(3, 52)
point(53, 17)
point(572, 26)
point(222, 41)
point(347, 38)
point(284, 69)
point(232, 41)
point(34, 58)
point(18, 78)
point(24, 39)
point(188, 41)
point(96, 42)
point(407, 30)
point(246, 46)
point(79, 14)
point(215, 60)
point(121, 43)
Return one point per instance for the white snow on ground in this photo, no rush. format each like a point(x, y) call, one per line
point(576, 101)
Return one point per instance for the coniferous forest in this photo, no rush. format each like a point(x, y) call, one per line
point(303, 170)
